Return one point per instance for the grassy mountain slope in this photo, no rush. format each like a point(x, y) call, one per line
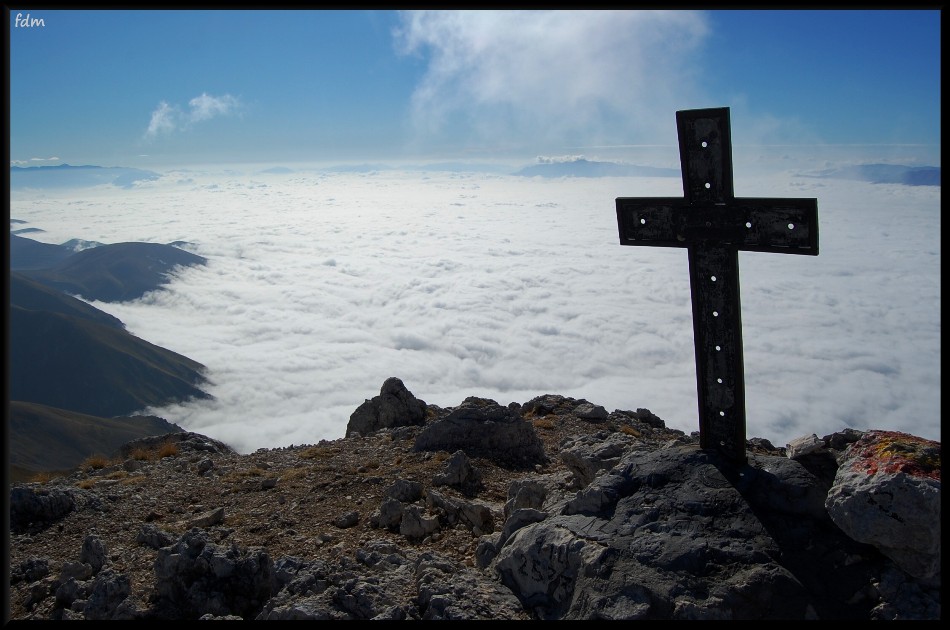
point(33, 296)
point(43, 438)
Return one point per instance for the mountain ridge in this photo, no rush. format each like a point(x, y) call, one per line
point(884, 174)
point(76, 374)
point(66, 175)
point(115, 272)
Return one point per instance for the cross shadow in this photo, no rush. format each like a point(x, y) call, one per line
point(825, 560)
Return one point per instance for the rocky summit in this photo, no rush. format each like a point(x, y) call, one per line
point(551, 509)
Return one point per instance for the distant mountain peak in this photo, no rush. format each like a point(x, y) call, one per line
point(579, 166)
point(883, 174)
point(67, 175)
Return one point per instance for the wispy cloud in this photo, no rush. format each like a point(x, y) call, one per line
point(164, 120)
point(564, 76)
point(205, 107)
point(170, 118)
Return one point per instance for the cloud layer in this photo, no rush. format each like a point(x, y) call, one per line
point(320, 286)
point(167, 118)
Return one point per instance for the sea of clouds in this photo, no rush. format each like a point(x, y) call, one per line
point(320, 285)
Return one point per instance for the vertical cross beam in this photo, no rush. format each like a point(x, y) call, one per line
point(713, 225)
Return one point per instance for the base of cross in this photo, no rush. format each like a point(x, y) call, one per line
point(713, 225)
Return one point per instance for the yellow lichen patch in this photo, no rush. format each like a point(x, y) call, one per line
point(892, 452)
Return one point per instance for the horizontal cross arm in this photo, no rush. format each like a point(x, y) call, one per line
point(787, 226)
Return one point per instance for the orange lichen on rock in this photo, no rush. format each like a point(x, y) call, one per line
point(893, 452)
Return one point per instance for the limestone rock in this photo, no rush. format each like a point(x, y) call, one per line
point(614, 550)
point(460, 474)
point(35, 508)
point(887, 493)
point(195, 577)
point(394, 407)
point(803, 446)
point(186, 441)
point(589, 455)
point(482, 428)
point(590, 411)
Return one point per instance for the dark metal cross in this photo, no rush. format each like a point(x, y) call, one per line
point(713, 226)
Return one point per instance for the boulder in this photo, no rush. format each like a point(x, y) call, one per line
point(34, 508)
point(194, 577)
point(627, 545)
point(394, 407)
point(459, 474)
point(482, 428)
point(887, 493)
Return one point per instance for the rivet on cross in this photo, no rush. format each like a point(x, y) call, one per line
point(713, 226)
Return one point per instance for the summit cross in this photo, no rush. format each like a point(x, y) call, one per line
point(713, 225)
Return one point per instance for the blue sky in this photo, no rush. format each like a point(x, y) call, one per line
point(172, 88)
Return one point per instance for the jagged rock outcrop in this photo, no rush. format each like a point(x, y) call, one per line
point(482, 428)
point(622, 519)
point(626, 545)
point(39, 507)
point(394, 407)
point(195, 577)
point(386, 582)
point(187, 441)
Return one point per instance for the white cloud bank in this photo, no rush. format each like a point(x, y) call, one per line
point(511, 77)
point(321, 286)
point(170, 118)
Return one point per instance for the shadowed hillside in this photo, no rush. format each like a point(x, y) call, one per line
point(33, 296)
point(116, 272)
point(25, 253)
point(74, 369)
point(68, 354)
point(66, 176)
point(74, 363)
